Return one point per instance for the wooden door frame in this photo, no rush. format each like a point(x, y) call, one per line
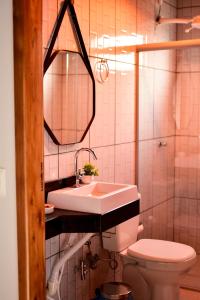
point(27, 19)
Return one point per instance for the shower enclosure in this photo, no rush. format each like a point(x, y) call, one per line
point(167, 147)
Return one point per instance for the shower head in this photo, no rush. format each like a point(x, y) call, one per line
point(194, 22)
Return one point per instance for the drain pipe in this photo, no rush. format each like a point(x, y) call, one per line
point(53, 281)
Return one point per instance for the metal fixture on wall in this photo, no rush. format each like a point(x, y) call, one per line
point(162, 144)
point(101, 70)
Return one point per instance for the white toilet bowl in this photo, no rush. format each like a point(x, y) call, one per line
point(151, 267)
point(160, 263)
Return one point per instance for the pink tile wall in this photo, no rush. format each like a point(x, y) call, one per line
point(105, 163)
point(102, 28)
point(124, 109)
point(49, 16)
point(187, 192)
point(156, 172)
point(162, 223)
point(187, 104)
point(126, 33)
point(159, 221)
point(102, 131)
point(187, 222)
point(164, 103)
point(124, 163)
point(157, 107)
point(186, 166)
point(106, 25)
point(146, 103)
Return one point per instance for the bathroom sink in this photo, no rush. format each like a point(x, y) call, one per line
point(96, 197)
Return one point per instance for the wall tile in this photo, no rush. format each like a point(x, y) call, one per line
point(48, 18)
point(172, 2)
point(162, 222)
point(146, 100)
point(71, 278)
point(163, 170)
point(125, 29)
point(102, 28)
point(54, 245)
point(164, 103)
point(102, 128)
point(105, 163)
point(53, 260)
point(187, 104)
point(186, 166)
point(48, 268)
point(159, 172)
point(166, 59)
point(47, 249)
point(188, 60)
point(146, 172)
point(186, 221)
point(171, 167)
point(156, 171)
point(125, 163)
point(49, 146)
point(146, 29)
point(146, 218)
point(50, 167)
point(125, 97)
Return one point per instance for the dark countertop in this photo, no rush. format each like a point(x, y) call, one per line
point(63, 221)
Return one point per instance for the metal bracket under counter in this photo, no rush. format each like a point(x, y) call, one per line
point(66, 221)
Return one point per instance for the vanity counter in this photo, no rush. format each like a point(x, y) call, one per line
point(63, 221)
point(66, 221)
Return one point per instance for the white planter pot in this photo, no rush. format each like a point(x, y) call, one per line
point(87, 179)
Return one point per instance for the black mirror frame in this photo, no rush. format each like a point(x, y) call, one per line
point(50, 55)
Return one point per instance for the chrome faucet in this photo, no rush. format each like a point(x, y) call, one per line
point(77, 174)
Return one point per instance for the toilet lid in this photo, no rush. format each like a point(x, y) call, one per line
point(162, 251)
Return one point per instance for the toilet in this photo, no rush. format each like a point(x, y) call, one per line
point(157, 263)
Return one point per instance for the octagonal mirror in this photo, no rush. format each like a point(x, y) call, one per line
point(69, 97)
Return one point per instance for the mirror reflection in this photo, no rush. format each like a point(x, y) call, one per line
point(68, 98)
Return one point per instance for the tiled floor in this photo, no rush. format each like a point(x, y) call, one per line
point(189, 295)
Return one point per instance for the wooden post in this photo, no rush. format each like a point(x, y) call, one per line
point(29, 147)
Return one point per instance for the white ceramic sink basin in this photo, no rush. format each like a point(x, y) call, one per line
point(96, 197)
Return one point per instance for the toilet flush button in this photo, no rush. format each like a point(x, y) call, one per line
point(2, 182)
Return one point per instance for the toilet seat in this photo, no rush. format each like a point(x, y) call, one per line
point(161, 251)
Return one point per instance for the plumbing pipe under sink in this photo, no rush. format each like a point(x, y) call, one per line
point(53, 282)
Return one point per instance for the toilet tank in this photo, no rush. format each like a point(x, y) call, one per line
point(121, 236)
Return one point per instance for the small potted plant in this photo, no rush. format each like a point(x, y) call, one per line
point(88, 172)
